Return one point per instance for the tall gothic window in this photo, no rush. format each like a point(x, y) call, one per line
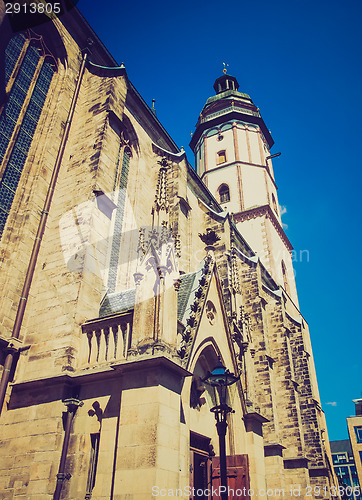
point(118, 223)
point(29, 69)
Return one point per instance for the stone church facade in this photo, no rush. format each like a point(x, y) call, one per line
point(126, 274)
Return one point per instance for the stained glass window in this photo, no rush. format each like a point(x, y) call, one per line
point(16, 107)
point(118, 223)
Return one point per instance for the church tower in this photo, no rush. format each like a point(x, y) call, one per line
point(232, 156)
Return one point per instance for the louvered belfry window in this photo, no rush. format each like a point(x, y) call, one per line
point(29, 68)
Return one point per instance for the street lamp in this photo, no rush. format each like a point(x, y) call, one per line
point(219, 379)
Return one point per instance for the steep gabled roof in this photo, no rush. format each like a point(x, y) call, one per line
point(117, 302)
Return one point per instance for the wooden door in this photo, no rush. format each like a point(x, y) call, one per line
point(237, 477)
point(200, 467)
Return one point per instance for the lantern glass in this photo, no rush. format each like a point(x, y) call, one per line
point(219, 380)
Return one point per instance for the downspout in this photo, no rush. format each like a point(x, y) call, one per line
point(9, 360)
point(72, 405)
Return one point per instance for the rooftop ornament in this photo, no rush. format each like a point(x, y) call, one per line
point(210, 237)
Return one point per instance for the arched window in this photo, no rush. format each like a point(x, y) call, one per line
point(285, 278)
point(221, 157)
point(119, 217)
point(224, 193)
point(29, 69)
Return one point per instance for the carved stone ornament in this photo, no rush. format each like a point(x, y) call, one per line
point(161, 199)
point(210, 237)
point(187, 336)
point(137, 278)
point(210, 312)
point(177, 284)
point(234, 274)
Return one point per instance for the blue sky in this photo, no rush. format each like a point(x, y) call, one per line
point(300, 61)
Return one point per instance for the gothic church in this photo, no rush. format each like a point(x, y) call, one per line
point(127, 274)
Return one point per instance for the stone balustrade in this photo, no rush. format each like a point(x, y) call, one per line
point(106, 339)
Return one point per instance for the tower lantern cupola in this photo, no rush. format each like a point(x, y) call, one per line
point(225, 82)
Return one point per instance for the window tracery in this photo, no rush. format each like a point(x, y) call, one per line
point(29, 69)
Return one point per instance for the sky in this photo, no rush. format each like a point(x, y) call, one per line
point(300, 61)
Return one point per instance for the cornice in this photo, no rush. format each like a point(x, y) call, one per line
point(233, 113)
point(239, 162)
point(264, 211)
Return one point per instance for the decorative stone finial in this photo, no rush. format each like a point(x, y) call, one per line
point(163, 162)
point(210, 237)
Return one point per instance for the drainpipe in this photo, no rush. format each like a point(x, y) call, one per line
point(72, 404)
point(9, 360)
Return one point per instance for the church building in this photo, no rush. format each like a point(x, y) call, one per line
point(127, 275)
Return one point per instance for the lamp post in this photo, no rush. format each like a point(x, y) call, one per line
point(219, 379)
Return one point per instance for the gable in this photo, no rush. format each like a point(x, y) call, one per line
point(202, 312)
point(213, 328)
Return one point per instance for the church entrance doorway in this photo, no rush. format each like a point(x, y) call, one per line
point(200, 466)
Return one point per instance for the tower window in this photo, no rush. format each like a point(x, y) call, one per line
point(224, 193)
point(221, 157)
point(285, 278)
point(274, 204)
point(184, 208)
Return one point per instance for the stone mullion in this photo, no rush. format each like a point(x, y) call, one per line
point(15, 73)
point(20, 119)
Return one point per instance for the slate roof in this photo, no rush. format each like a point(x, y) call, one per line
point(186, 293)
point(123, 301)
point(343, 445)
point(187, 281)
point(117, 302)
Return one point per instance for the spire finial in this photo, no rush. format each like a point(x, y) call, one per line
point(225, 70)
